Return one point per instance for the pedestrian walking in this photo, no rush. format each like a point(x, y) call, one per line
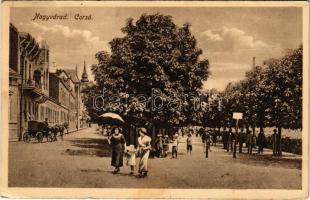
point(200, 132)
point(165, 145)
point(261, 139)
point(144, 146)
point(159, 146)
point(131, 158)
point(117, 142)
point(175, 144)
point(224, 138)
point(207, 144)
point(214, 137)
point(203, 135)
point(249, 142)
point(189, 145)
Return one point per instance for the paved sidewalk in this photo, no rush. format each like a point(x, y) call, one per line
point(83, 160)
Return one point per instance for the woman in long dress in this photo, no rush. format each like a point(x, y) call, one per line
point(144, 145)
point(118, 148)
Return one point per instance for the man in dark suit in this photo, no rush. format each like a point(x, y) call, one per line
point(240, 139)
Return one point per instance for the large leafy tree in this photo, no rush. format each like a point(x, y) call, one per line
point(157, 58)
point(270, 95)
point(284, 84)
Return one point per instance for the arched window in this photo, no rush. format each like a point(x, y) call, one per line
point(37, 78)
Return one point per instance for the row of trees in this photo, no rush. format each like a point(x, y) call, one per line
point(269, 96)
point(155, 53)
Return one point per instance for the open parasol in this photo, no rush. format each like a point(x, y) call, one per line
point(111, 118)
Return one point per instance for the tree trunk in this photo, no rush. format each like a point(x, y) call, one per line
point(153, 134)
point(261, 118)
point(280, 133)
point(247, 128)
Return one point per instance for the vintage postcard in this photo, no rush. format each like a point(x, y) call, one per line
point(159, 99)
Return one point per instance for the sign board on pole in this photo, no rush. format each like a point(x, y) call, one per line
point(237, 115)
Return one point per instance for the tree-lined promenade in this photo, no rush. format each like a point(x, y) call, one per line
point(83, 158)
point(156, 53)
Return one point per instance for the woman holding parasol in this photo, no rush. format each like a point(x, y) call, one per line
point(117, 139)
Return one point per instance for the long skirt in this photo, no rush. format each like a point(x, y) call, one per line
point(117, 158)
point(143, 161)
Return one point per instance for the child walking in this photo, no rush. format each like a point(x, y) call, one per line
point(131, 158)
point(165, 146)
point(175, 144)
point(189, 142)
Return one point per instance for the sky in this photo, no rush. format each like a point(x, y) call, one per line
point(229, 37)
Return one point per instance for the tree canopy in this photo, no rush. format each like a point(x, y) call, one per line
point(154, 58)
point(270, 95)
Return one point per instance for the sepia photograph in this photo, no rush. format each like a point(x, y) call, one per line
point(161, 96)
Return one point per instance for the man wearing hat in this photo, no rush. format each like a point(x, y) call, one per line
point(276, 142)
point(159, 145)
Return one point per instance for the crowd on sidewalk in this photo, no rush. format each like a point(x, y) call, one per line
point(231, 141)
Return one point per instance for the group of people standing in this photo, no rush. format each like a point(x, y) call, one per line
point(119, 149)
point(235, 140)
point(230, 141)
point(162, 144)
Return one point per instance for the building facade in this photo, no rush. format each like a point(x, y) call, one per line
point(14, 85)
point(36, 93)
point(64, 91)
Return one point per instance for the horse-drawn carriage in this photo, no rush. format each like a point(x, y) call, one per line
point(39, 130)
point(36, 130)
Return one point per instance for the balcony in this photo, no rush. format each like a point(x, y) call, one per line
point(34, 89)
point(31, 84)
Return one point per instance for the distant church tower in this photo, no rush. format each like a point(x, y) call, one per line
point(84, 75)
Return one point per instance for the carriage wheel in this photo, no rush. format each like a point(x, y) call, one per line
point(26, 137)
point(50, 137)
point(39, 136)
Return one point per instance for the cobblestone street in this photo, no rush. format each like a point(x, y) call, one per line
point(83, 160)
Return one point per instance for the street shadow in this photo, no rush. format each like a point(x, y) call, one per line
point(269, 160)
point(89, 147)
point(92, 170)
